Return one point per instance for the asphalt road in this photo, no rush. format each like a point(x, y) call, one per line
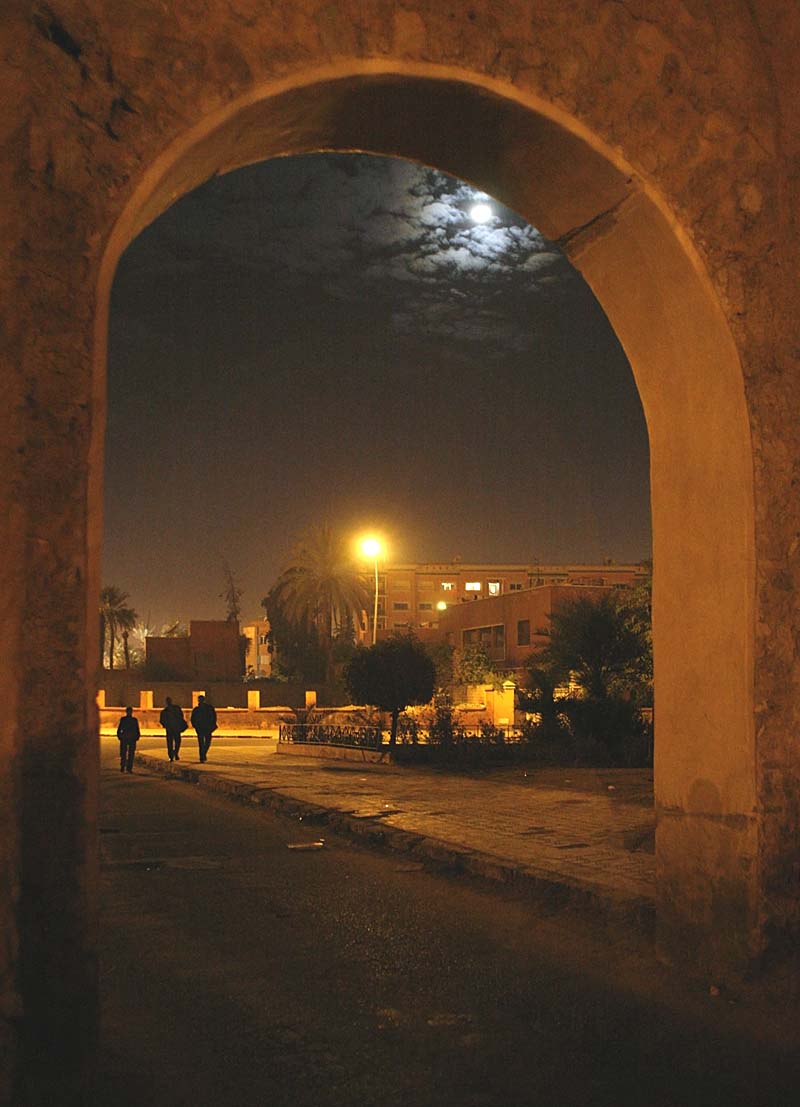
point(235, 970)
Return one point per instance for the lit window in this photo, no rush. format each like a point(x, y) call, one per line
point(472, 586)
point(448, 586)
point(494, 587)
point(399, 605)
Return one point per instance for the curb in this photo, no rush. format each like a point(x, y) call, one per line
point(557, 889)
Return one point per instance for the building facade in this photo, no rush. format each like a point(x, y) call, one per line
point(211, 651)
point(257, 658)
point(507, 625)
point(420, 594)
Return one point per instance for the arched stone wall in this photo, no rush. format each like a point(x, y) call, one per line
point(672, 137)
point(651, 283)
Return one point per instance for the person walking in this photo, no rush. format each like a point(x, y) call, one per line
point(204, 721)
point(129, 734)
point(173, 722)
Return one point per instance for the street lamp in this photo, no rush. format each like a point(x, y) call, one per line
point(371, 548)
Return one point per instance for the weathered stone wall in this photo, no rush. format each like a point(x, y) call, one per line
point(695, 99)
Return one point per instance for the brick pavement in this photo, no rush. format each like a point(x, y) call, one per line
point(581, 830)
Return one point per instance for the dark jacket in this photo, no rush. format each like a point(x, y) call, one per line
point(204, 718)
point(128, 729)
point(171, 718)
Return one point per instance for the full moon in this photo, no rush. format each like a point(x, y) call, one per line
point(480, 213)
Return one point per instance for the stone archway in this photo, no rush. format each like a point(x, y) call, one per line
point(651, 284)
point(673, 185)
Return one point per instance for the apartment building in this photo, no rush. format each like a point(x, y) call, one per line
point(507, 626)
point(418, 594)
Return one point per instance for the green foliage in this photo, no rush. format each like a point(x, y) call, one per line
point(605, 645)
point(472, 665)
point(444, 728)
point(598, 642)
point(115, 617)
point(391, 675)
point(296, 651)
point(321, 583)
point(610, 726)
point(539, 698)
point(321, 587)
point(442, 656)
point(636, 605)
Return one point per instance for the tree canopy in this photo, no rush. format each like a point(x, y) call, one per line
point(391, 675)
point(115, 616)
point(598, 641)
point(296, 651)
point(321, 586)
point(472, 665)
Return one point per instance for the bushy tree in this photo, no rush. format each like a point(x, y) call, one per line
point(296, 651)
point(442, 655)
point(596, 641)
point(391, 675)
point(472, 665)
point(540, 697)
point(604, 644)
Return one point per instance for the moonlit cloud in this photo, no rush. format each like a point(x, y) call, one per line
point(396, 232)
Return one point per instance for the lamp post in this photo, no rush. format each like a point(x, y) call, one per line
point(371, 548)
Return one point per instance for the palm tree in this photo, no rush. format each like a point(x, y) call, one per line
point(321, 585)
point(596, 640)
point(115, 615)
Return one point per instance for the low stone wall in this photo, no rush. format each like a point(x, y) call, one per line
point(123, 687)
point(228, 718)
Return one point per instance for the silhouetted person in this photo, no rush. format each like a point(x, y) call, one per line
point(204, 721)
point(173, 722)
point(129, 734)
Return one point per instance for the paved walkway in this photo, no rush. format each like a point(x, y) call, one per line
point(588, 832)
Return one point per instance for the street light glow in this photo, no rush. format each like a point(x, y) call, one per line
point(441, 606)
point(371, 548)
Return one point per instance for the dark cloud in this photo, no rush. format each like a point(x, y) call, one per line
point(379, 227)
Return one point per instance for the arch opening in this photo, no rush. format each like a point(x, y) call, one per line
point(686, 367)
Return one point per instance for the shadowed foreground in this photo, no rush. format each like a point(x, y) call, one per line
point(237, 971)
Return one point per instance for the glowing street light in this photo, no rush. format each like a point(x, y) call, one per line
point(372, 549)
point(441, 606)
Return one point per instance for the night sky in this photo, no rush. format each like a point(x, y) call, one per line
point(332, 338)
